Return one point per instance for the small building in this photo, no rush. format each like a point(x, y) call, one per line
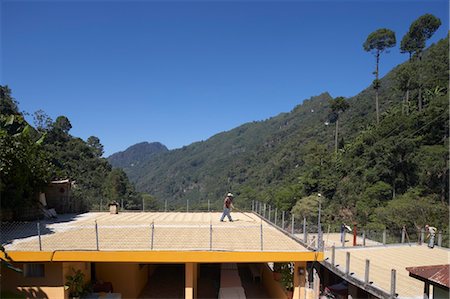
point(58, 195)
point(436, 276)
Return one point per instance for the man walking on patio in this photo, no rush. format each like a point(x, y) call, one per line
point(227, 206)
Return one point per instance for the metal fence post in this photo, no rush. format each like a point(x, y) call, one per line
point(210, 236)
point(333, 255)
point(261, 237)
point(347, 263)
point(153, 233)
point(305, 233)
point(364, 238)
point(96, 234)
point(165, 205)
point(39, 235)
point(282, 220)
point(253, 205)
point(292, 224)
point(275, 220)
point(439, 243)
point(384, 237)
point(366, 272)
point(260, 208)
point(403, 235)
point(393, 282)
point(264, 212)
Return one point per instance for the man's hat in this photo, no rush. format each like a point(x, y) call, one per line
point(230, 194)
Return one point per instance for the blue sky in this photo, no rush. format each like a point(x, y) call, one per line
point(180, 72)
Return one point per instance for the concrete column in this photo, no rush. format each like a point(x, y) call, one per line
point(190, 288)
point(299, 280)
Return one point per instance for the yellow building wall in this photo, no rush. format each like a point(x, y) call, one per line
point(273, 287)
point(129, 279)
point(67, 270)
point(50, 286)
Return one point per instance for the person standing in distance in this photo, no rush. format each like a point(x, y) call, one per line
point(431, 230)
point(227, 206)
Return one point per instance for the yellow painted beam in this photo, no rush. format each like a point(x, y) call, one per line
point(165, 256)
point(29, 256)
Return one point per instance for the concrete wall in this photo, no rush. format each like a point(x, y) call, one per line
point(49, 286)
point(129, 279)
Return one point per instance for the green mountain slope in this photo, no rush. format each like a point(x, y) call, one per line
point(271, 159)
point(134, 156)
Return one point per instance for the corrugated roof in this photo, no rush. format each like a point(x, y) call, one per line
point(437, 273)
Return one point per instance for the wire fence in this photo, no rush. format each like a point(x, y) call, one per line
point(311, 232)
point(227, 236)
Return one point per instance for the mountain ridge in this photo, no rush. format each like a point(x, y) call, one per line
point(260, 155)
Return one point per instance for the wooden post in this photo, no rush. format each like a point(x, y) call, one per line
point(366, 273)
point(189, 280)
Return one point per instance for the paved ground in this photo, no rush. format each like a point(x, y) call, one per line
point(149, 231)
point(331, 239)
point(384, 258)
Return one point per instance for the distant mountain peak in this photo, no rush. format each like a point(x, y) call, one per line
point(136, 154)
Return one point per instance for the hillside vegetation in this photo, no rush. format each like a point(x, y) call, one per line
point(134, 155)
point(31, 157)
point(397, 167)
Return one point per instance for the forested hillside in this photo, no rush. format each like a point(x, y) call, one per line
point(135, 155)
point(31, 157)
point(397, 167)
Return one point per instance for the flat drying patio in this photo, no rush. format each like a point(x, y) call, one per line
point(144, 231)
